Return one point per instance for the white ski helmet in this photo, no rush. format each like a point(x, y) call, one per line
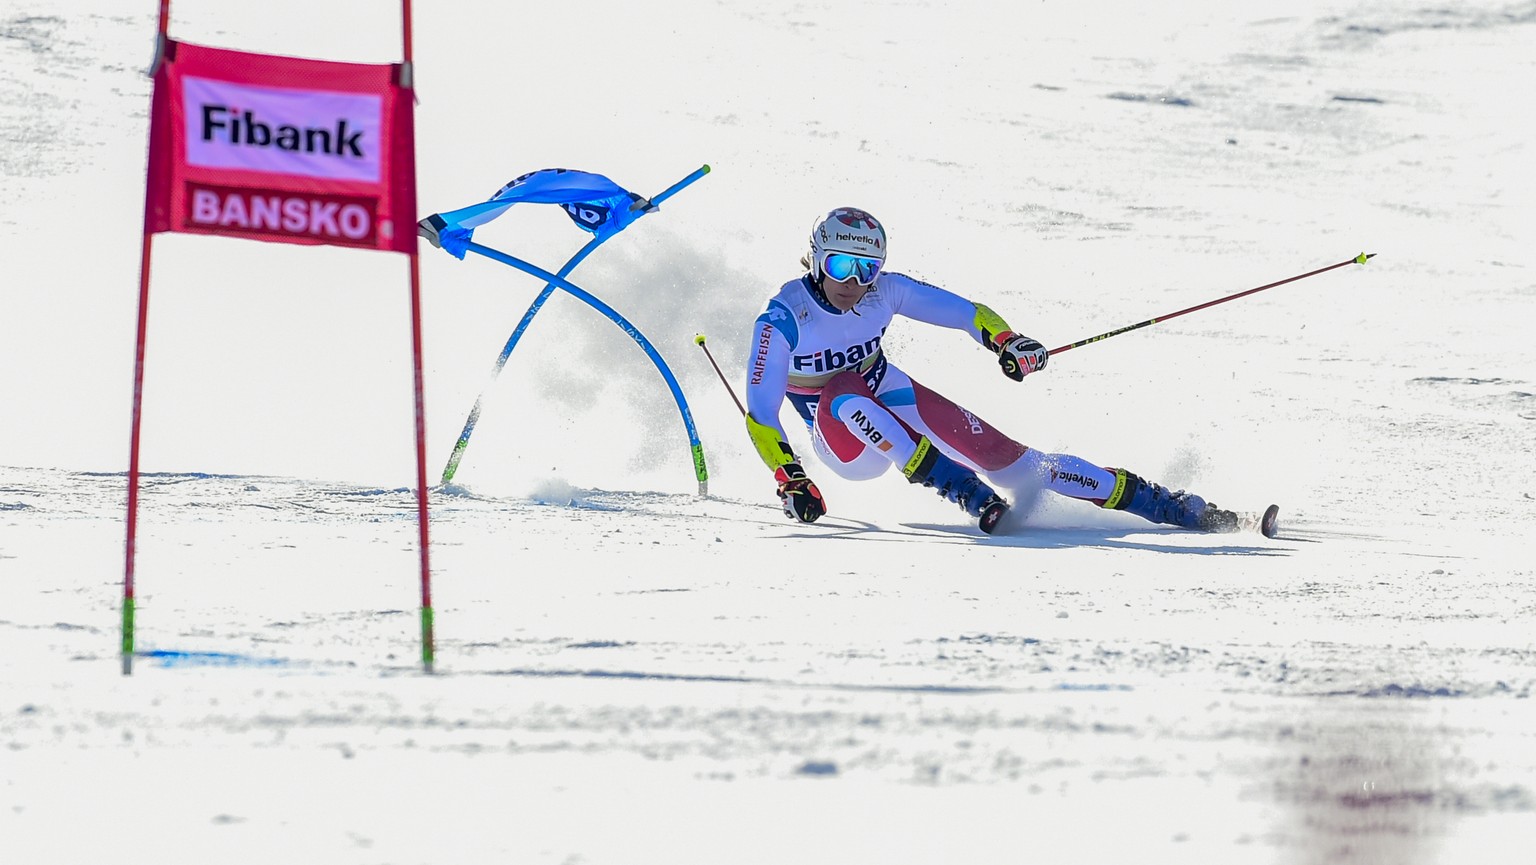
point(849, 230)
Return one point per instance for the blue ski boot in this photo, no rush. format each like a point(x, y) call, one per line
point(1155, 503)
point(955, 482)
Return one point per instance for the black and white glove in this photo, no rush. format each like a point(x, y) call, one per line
point(1019, 355)
point(801, 500)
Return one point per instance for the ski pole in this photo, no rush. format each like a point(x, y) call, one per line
point(1362, 258)
point(700, 341)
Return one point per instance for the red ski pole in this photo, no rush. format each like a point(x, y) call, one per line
point(1362, 258)
point(699, 340)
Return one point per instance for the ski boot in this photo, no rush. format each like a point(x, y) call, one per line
point(931, 468)
point(1178, 508)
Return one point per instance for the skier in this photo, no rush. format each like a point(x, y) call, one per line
point(817, 343)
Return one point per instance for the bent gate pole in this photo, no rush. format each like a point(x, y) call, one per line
point(533, 309)
point(699, 469)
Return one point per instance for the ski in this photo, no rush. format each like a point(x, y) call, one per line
point(1219, 520)
point(1269, 523)
point(992, 514)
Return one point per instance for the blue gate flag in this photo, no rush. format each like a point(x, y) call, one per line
point(595, 203)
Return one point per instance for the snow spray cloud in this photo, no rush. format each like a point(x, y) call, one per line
point(670, 290)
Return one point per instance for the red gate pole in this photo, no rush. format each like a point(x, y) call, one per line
point(421, 471)
point(138, 396)
point(422, 511)
point(133, 458)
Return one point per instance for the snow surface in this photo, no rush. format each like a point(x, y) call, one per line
point(628, 673)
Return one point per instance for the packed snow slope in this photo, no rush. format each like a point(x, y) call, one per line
point(628, 672)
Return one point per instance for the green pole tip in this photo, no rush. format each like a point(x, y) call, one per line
point(698, 339)
point(706, 168)
point(1362, 258)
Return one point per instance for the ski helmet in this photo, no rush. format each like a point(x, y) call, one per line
point(847, 230)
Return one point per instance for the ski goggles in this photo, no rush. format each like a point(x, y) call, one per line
point(841, 265)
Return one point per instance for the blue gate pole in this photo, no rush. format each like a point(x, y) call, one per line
point(533, 310)
point(699, 468)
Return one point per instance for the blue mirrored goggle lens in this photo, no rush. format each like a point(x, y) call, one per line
point(840, 266)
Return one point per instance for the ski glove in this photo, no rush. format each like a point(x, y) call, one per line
point(1019, 355)
point(801, 500)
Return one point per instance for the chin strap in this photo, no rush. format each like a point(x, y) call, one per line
point(821, 294)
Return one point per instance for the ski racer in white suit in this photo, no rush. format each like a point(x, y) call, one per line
point(818, 344)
